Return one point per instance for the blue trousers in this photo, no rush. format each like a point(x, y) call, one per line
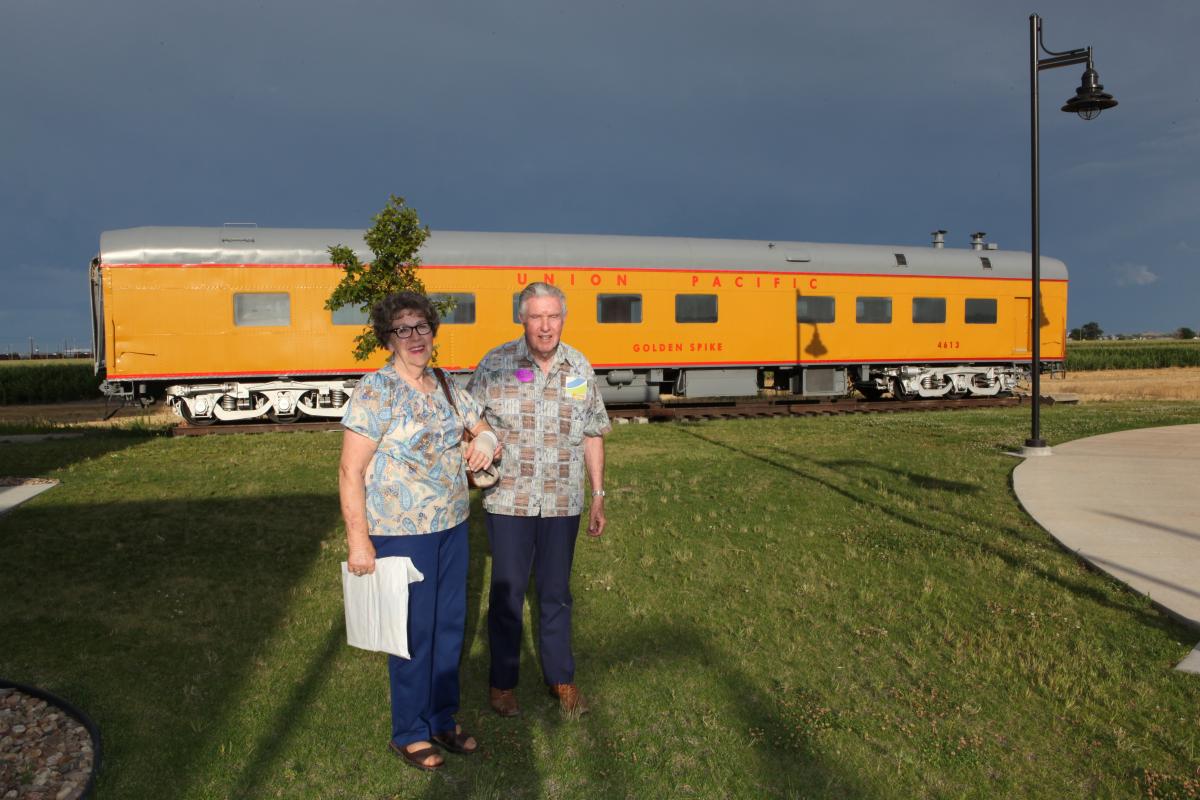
point(547, 544)
point(425, 687)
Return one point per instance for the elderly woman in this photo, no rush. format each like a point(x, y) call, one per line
point(404, 493)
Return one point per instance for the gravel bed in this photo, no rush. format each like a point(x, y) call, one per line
point(45, 753)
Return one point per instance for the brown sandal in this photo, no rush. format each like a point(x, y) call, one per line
point(416, 758)
point(455, 741)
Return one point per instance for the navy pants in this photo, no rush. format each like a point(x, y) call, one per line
point(425, 687)
point(547, 545)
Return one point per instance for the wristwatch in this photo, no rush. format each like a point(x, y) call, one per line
point(598, 493)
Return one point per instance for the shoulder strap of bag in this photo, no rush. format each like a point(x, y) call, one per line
point(441, 376)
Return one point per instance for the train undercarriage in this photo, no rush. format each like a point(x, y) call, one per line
point(912, 382)
point(284, 400)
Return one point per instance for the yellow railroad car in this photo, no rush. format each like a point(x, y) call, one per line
point(229, 323)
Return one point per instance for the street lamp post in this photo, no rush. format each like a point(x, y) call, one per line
point(1089, 100)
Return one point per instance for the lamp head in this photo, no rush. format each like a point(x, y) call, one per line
point(1090, 98)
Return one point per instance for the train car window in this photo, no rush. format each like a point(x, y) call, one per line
point(929, 309)
point(262, 309)
point(351, 315)
point(463, 312)
point(814, 309)
point(619, 308)
point(695, 308)
point(981, 311)
point(517, 307)
point(873, 310)
point(901, 261)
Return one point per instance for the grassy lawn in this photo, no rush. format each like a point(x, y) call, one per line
point(848, 607)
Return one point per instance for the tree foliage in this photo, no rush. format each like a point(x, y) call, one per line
point(394, 238)
point(1185, 333)
point(1091, 331)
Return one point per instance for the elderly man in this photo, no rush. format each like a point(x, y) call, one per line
point(540, 397)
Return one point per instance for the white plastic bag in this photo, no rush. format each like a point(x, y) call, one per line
point(377, 605)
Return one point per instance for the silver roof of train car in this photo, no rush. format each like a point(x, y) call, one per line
point(251, 245)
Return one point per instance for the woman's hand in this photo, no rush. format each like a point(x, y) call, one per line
point(357, 451)
point(361, 560)
point(481, 450)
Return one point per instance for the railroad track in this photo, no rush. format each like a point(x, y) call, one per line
point(663, 412)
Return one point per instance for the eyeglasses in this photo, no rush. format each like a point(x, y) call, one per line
point(405, 331)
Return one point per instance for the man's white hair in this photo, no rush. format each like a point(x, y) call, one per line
point(540, 289)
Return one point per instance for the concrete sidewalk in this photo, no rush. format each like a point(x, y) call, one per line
point(13, 496)
point(1128, 503)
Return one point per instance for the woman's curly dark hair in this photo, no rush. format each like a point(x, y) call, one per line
point(387, 309)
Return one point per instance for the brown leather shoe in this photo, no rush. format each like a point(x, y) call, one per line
point(570, 700)
point(504, 702)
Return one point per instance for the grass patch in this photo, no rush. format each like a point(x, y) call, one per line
point(828, 608)
point(1154, 354)
point(47, 382)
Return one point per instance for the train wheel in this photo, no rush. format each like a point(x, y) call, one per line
point(310, 399)
point(870, 392)
point(898, 391)
point(192, 419)
point(284, 419)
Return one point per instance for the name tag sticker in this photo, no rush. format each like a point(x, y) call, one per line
point(575, 387)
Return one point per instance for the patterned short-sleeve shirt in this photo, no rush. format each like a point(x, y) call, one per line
point(416, 481)
point(541, 420)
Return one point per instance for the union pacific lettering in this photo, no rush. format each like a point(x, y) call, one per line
point(590, 278)
point(569, 278)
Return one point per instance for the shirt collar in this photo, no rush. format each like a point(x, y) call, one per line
point(562, 355)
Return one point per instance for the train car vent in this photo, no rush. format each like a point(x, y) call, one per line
point(987, 262)
point(797, 256)
point(901, 261)
point(238, 232)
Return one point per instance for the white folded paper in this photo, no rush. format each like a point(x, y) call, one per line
point(377, 605)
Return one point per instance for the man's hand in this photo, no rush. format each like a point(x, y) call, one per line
point(596, 519)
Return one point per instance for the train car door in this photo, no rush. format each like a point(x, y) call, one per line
point(1020, 325)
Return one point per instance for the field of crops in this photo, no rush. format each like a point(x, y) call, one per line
point(1141, 354)
point(47, 382)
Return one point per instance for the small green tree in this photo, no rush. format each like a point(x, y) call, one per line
point(394, 237)
point(1091, 331)
point(1076, 335)
point(1185, 333)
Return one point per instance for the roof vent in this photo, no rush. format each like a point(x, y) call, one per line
point(238, 232)
point(939, 239)
point(977, 242)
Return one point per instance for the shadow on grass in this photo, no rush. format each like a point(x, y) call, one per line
point(781, 763)
point(637, 745)
point(39, 459)
point(1146, 616)
point(152, 615)
point(916, 479)
point(273, 740)
point(770, 750)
